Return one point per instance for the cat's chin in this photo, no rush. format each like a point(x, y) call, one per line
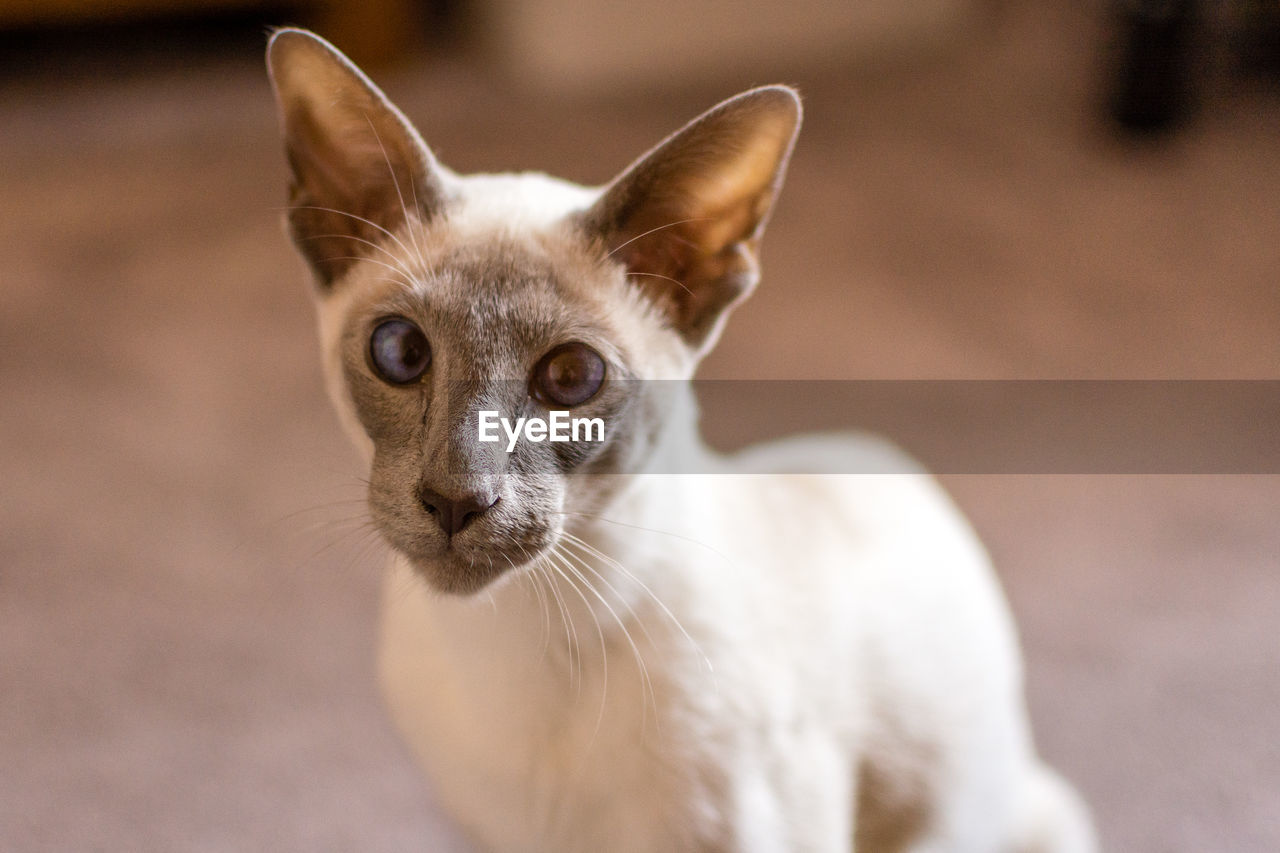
point(454, 574)
point(466, 573)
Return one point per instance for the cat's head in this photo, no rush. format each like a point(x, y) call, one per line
point(443, 297)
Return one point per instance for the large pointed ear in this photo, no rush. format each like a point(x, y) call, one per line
point(686, 218)
point(359, 168)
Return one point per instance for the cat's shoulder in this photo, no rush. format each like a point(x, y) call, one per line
point(864, 481)
point(844, 452)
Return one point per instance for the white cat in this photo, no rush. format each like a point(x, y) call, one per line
point(586, 651)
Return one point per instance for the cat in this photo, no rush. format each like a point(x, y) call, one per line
point(584, 652)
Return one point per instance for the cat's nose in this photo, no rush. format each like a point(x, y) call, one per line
point(454, 514)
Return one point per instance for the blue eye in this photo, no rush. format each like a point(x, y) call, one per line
point(399, 351)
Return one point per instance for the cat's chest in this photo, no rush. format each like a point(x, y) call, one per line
point(533, 730)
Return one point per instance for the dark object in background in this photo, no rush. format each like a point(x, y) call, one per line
point(1153, 88)
point(1258, 43)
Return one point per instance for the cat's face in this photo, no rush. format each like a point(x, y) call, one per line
point(470, 321)
point(449, 302)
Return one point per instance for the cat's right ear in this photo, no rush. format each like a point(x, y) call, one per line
point(359, 169)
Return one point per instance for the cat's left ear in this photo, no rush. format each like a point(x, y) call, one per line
point(686, 218)
point(359, 169)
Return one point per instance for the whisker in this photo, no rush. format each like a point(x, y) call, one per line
point(368, 222)
point(664, 277)
point(658, 530)
point(407, 582)
point(591, 549)
point(400, 195)
point(576, 657)
point(646, 682)
point(604, 652)
point(659, 228)
point(533, 583)
point(400, 265)
point(417, 206)
point(408, 284)
point(346, 525)
point(566, 620)
point(570, 539)
point(549, 594)
point(287, 517)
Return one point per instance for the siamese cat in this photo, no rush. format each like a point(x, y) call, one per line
point(585, 651)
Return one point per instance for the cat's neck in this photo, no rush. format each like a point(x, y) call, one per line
point(651, 497)
point(678, 448)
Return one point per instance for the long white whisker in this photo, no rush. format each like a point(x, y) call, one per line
point(392, 255)
point(417, 206)
point(534, 581)
point(405, 282)
point(404, 210)
point(681, 284)
point(658, 530)
point(552, 595)
point(647, 682)
point(341, 502)
point(368, 222)
point(652, 230)
point(591, 549)
point(645, 679)
point(406, 285)
point(604, 651)
point(566, 620)
point(546, 558)
point(570, 539)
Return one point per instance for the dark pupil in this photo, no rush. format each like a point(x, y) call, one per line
point(410, 350)
point(567, 371)
point(400, 351)
point(572, 375)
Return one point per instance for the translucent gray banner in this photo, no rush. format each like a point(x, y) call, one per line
point(949, 426)
point(1017, 426)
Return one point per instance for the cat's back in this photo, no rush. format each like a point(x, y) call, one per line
point(851, 526)
point(854, 510)
point(886, 580)
point(848, 501)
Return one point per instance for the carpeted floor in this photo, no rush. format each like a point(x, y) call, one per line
point(187, 599)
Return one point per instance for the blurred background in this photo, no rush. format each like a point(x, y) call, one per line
point(982, 190)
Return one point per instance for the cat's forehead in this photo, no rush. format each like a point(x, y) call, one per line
point(506, 274)
point(506, 243)
point(526, 200)
point(503, 286)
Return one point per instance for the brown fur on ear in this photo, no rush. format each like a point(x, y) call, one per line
point(358, 166)
point(687, 217)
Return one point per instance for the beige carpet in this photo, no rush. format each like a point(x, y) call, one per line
point(187, 599)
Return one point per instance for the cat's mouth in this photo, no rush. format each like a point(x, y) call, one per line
point(466, 566)
point(459, 557)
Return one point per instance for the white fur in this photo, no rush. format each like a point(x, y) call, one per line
point(830, 621)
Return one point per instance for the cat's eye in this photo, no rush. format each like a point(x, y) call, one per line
point(399, 351)
point(569, 375)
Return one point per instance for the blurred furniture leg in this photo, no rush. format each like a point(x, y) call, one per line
point(1153, 83)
